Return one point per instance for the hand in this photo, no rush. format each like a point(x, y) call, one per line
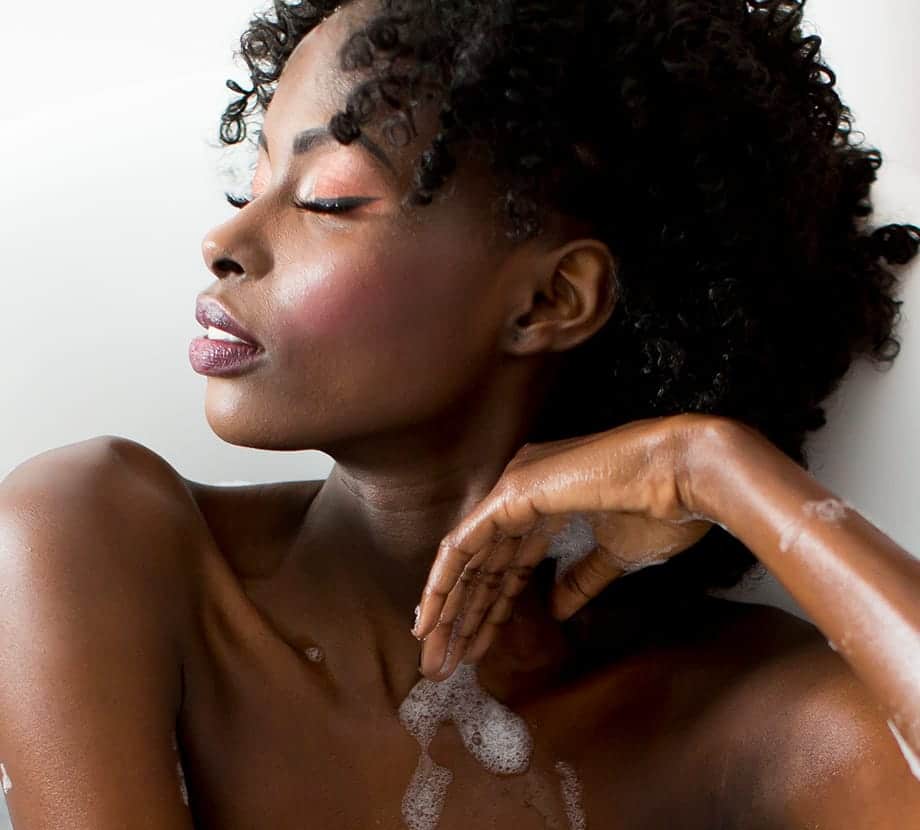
point(631, 484)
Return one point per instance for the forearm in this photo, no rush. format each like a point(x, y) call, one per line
point(860, 588)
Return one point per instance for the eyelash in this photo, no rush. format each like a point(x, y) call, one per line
point(342, 205)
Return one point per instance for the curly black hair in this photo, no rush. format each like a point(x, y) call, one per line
point(704, 142)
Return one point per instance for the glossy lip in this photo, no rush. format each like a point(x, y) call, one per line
point(211, 312)
point(220, 358)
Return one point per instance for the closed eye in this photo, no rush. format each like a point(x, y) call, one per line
point(341, 205)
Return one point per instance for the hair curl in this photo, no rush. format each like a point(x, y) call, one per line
point(705, 143)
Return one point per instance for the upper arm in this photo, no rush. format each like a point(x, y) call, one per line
point(843, 766)
point(90, 644)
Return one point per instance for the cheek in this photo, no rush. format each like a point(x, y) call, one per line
point(391, 300)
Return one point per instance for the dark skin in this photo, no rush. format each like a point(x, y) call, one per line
point(411, 346)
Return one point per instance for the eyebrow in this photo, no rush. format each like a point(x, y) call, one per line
point(307, 140)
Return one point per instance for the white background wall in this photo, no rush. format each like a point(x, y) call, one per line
point(108, 185)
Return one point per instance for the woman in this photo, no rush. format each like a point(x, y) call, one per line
point(557, 286)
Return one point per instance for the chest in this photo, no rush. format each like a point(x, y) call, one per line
point(271, 737)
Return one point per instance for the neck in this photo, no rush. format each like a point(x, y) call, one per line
point(387, 504)
point(394, 495)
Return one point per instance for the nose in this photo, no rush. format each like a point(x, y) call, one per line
point(219, 260)
point(229, 249)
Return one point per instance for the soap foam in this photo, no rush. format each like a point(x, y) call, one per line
point(492, 733)
point(699, 517)
point(7, 783)
point(572, 544)
point(571, 795)
point(424, 799)
point(180, 773)
point(314, 654)
point(910, 756)
point(577, 539)
point(827, 510)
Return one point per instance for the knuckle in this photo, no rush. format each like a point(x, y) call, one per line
point(470, 575)
point(500, 614)
point(511, 486)
point(491, 579)
point(521, 571)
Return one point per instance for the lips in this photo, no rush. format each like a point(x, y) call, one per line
point(210, 312)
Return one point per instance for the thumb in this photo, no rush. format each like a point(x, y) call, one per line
point(581, 583)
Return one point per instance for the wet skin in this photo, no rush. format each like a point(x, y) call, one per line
point(185, 610)
point(414, 347)
point(651, 737)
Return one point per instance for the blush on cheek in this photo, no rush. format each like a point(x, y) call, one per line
point(308, 300)
point(389, 298)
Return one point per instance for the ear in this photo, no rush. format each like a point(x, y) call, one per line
point(568, 294)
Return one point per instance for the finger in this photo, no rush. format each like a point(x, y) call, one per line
point(523, 553)
point(582, 582)
point(516, 579)
point(488, 631)
point(519, 562)
point(447, 650)
point(508, 512)
point(449, 564)
point(434, 650)
point(517, 575)
point(489, 584)
point(459, 596)
point(484, 586)
point(483, 642)
point(455, 652)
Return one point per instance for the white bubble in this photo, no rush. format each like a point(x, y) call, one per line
point(789, 535)
point(572, 795)
point(183, 789)
point(180, 773)
point(572, 544)
point(494, 735)
point(314, 654)
point(424, 799)
point(699, 517)
point(829, 510)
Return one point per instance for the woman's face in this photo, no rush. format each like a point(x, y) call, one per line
point(375, 320)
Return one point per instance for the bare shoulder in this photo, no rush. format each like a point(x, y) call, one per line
point(93, 633)
point(805, 743)
point(95, 469)
point(123, 507)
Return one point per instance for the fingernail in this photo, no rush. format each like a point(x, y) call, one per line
point(447, 658)
point(442, 671)
point(415, 615)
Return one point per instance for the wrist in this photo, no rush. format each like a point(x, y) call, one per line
point(713, 448)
